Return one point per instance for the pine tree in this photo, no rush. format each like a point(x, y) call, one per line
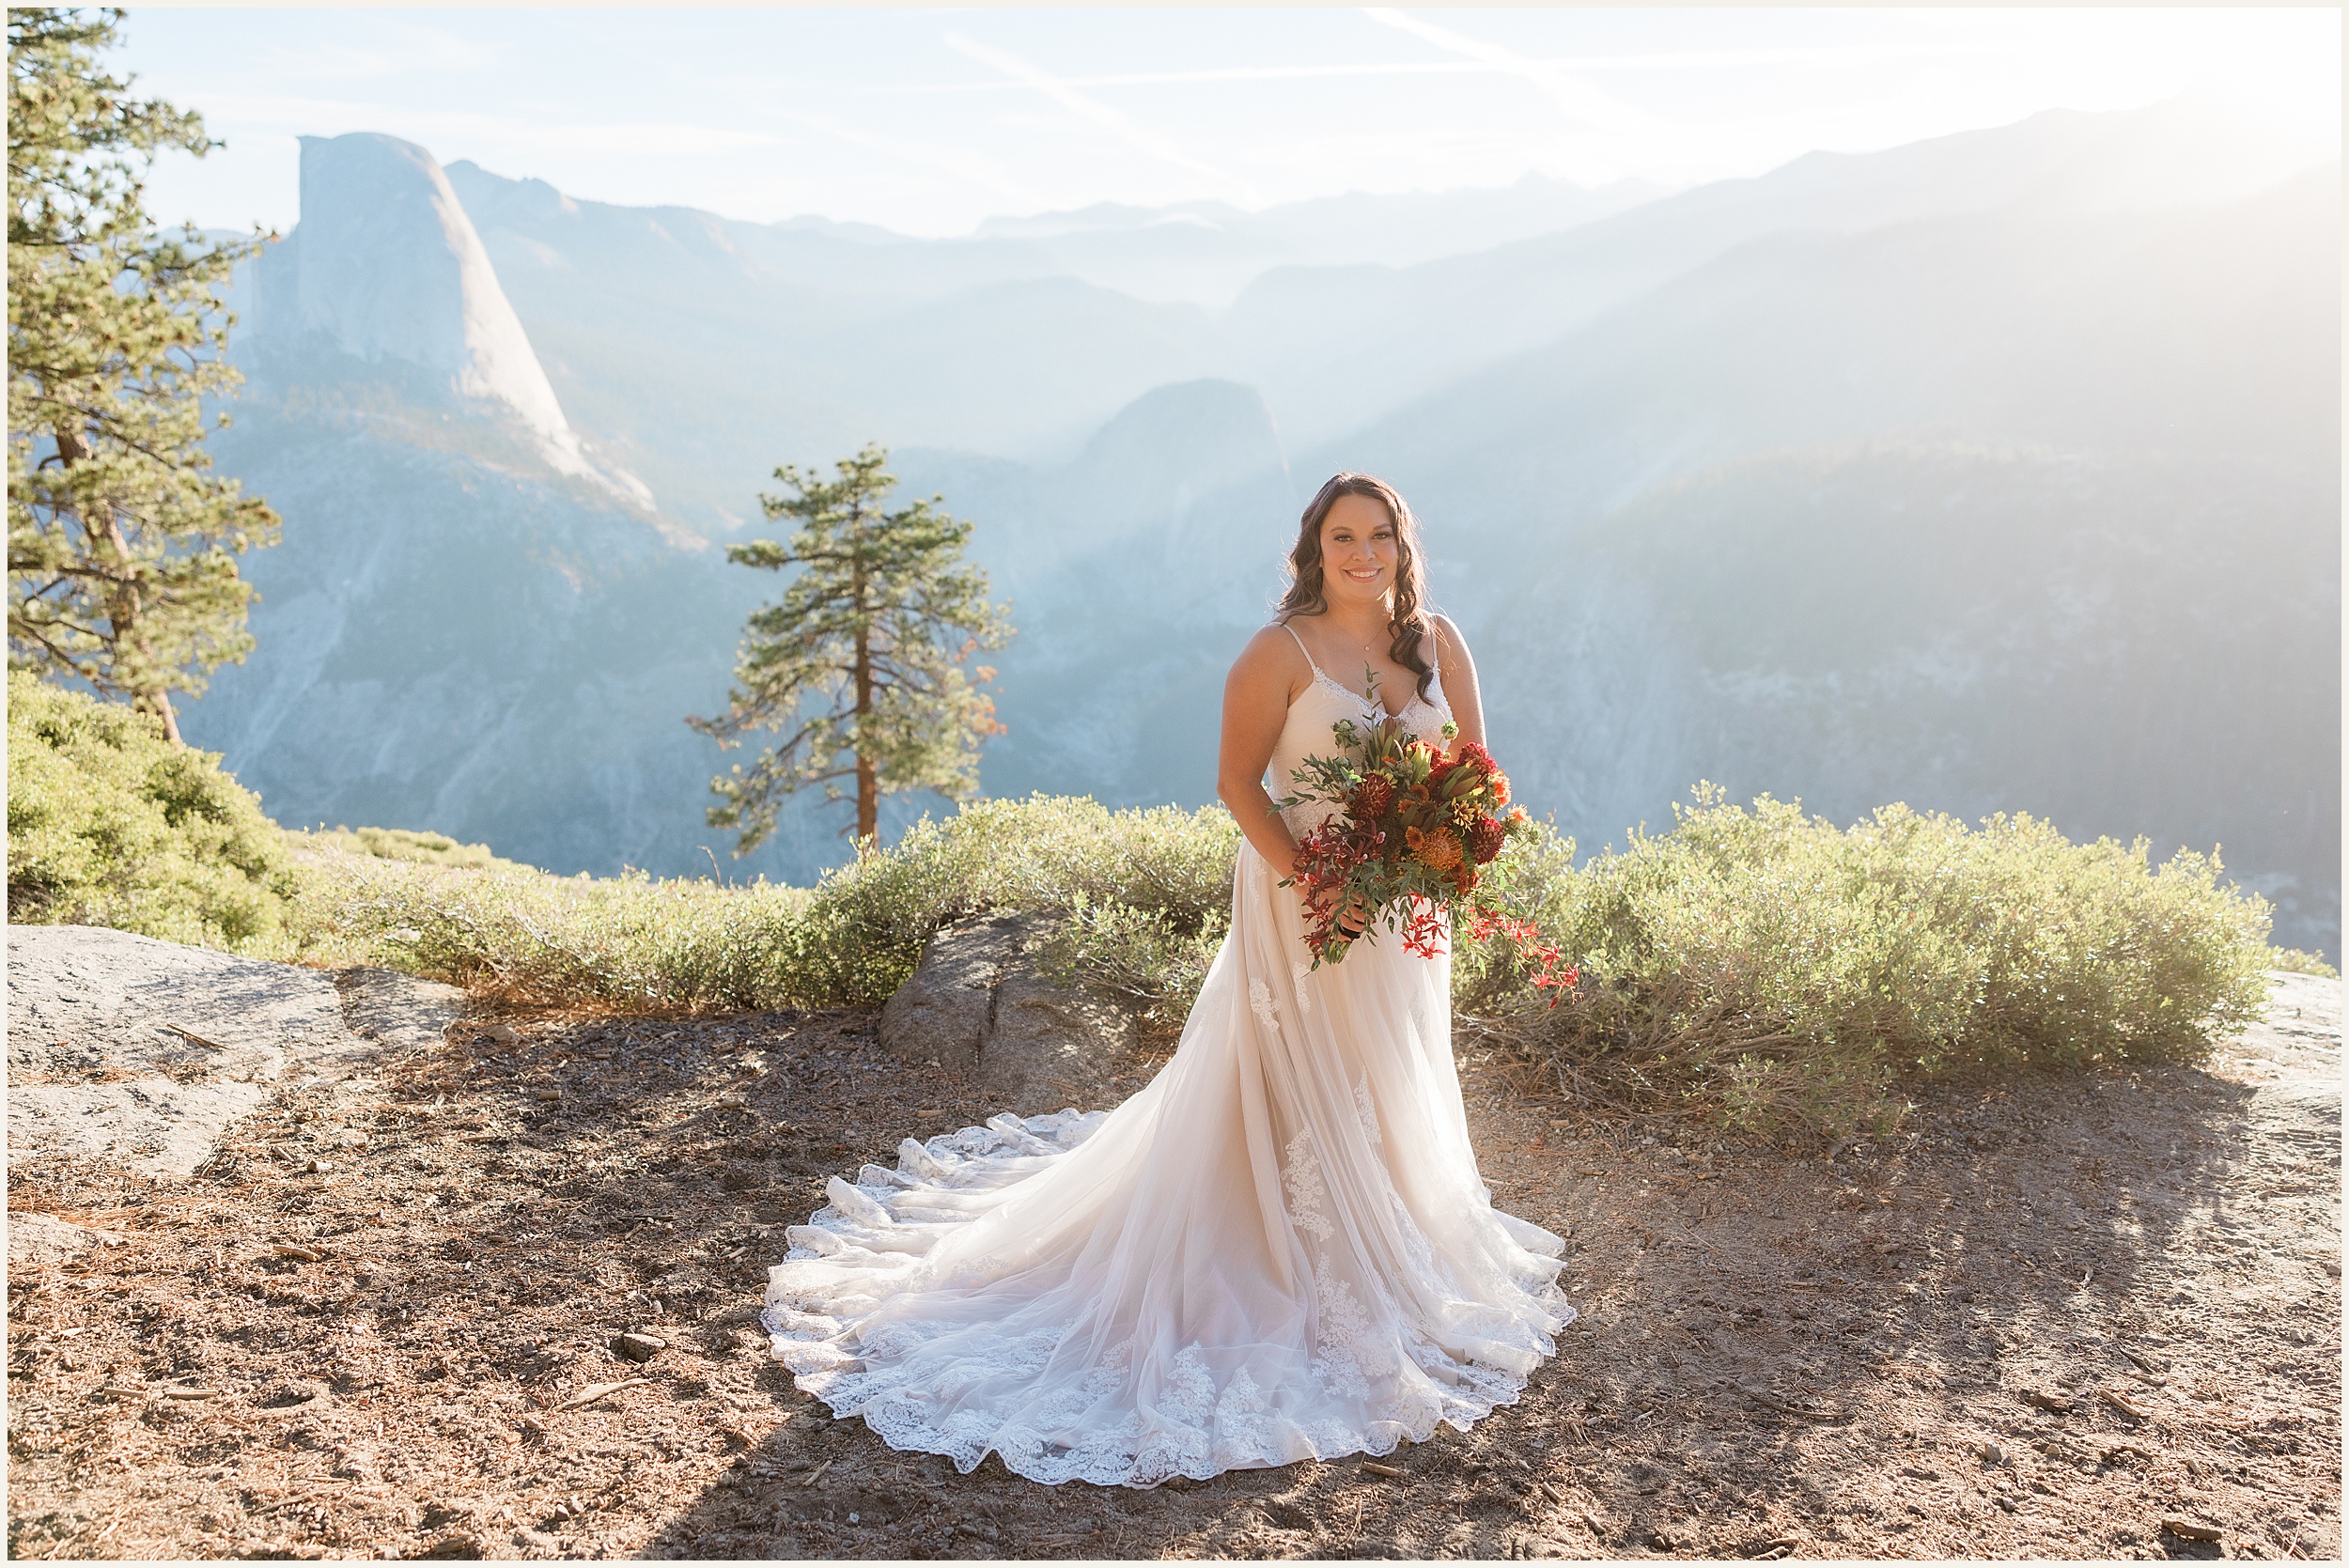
point(122, 545)
point(858, 664)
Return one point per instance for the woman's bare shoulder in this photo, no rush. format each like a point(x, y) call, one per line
point(1273, 642)
point(1274, 654)
point(1448, 639)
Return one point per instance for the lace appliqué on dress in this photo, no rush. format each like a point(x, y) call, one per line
point(1300, 1178)
point(1260, 1002)
point(1345, 1357)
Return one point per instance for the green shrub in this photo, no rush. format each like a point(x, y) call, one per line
point(1773, 972)
point(110, 824)
point(1156, 961)
point(638, 943)
point(2294, 960)
point(631, 942)
point(401, 843)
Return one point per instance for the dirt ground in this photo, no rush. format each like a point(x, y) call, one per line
point(2052, 1316)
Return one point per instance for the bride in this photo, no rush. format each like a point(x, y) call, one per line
point(1279, 1249)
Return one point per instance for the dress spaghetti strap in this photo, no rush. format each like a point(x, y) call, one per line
point(1301, 645)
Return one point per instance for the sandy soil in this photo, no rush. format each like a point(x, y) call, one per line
point(2054, 1315)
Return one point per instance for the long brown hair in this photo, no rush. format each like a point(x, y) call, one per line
point(1305, 596)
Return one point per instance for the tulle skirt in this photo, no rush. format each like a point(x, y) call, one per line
point(1279, 1249)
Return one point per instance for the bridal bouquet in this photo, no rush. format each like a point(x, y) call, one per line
point(1413, 829)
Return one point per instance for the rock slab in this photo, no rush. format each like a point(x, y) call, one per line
point(124, 1047)
point(976, 1005)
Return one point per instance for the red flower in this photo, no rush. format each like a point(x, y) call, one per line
point(1373, 797)
point(1485, 839)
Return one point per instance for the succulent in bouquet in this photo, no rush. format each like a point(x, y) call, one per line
point(1413, 830)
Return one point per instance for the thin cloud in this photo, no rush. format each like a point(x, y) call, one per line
point(1586, 105)
point(1139, 137)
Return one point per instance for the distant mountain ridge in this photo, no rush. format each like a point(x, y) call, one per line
point(1698, 474)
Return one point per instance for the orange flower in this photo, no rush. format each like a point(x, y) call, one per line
point(1437, 850)
point(1498, 782)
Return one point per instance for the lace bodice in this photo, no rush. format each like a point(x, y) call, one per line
point(1319, 708)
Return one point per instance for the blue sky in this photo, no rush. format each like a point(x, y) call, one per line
point(927, 121)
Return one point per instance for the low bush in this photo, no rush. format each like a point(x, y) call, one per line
point(401, 843)
point(1769, 972)
point(2294, 960)
point(630, 943)
point(1154, 960)
point(110, 824)
point(636, 942)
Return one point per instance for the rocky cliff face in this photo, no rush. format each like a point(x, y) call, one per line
point(386, 265)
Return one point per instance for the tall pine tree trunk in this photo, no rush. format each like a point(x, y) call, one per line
point(123, 600)
point(123, 613)
point(867, 777)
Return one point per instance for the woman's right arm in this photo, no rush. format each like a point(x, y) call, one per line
point(1255, 707)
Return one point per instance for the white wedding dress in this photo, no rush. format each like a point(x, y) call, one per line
point(1279, 1249)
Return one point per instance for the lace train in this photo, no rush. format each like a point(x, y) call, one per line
point(1198, 1426)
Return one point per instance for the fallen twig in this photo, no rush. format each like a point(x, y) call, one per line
point(2115, 1399)
point(595, 1391)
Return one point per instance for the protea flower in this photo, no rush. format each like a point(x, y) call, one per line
point(1439, 850)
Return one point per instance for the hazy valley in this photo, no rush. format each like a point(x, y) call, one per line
point(1994, 473)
